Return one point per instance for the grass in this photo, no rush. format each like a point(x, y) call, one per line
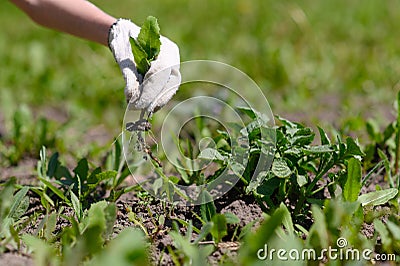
point(332, 64)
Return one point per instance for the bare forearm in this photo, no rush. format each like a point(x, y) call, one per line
point(77, 17)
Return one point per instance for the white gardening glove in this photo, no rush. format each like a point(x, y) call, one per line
point(161, 81)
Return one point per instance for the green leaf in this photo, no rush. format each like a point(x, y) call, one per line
point(128, 248)
point(140, 56)
point(383, 232)
point(94, 177)
point(205, 230)
point(301, 180)
point(247, 111)
point(318, 232)
point(149, 38)
point(56, 191)
point(147, 45)
point(219, 229)
point(53, 164)
point(352, 186)
point(394, 229)
point(280, 168)
point(302, 137)
point(208, 209)
point(255, 241)
point(352, 148)
point(287, 219)
point(44, 253)
point(317, 149)
point(324, 137)
point(378, 197)
point(110, 214)
point(51, 223)
point(76, 205)
point(82, 169)
point(20, 203)
point(231, 218)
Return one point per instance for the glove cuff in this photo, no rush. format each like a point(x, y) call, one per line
point(110, 37)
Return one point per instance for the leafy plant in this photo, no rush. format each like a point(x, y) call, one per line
point(27, 136)
point(13, 205)
point(85, 239)
point(147, 45)
point(188, 252)
point(81, 187)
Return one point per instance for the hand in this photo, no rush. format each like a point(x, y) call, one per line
point(161, 81)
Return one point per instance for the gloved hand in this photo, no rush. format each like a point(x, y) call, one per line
point(161, 81)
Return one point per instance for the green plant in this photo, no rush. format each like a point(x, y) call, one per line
point(87, 240)
point(188, 252)
point(13, 205)
point(81, 188)
point(147, 45)
point(27, 137)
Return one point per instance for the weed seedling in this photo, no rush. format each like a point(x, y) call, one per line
point(145, 49)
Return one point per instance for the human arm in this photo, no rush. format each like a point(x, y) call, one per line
point(77, 17)
point(83, 19)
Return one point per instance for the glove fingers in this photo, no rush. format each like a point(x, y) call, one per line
point(168, 91)
point(151, 87)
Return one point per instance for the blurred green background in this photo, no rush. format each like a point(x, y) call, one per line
point(331, 63)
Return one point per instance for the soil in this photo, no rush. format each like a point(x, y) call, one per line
point(148, 210)
point(244, 207)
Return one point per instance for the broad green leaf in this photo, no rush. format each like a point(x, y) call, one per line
point(324, 137)
point(20, 203)
point(53, 164)
point(302, 137)
point(82, 169)
point(51, 223)
point(231, 218)
point(383, 232)
point(44, 253)
point(94, 176)
point(149, 37)
point(76, 205)
point(147, 45)
point(128, 248)
point(353, 149)
point(378, 197)
point(6, 198)
point(247, 111)
point(352, 186)
point(318, 232)
point(301, 180)
point(140, 56)
point(158, 183)
point(394, 229)
point(207, 210)
point(317, 149)
point(287, 219)
point(255, 241)
point(110, 214)
point(219, 229)
point(280, 168)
